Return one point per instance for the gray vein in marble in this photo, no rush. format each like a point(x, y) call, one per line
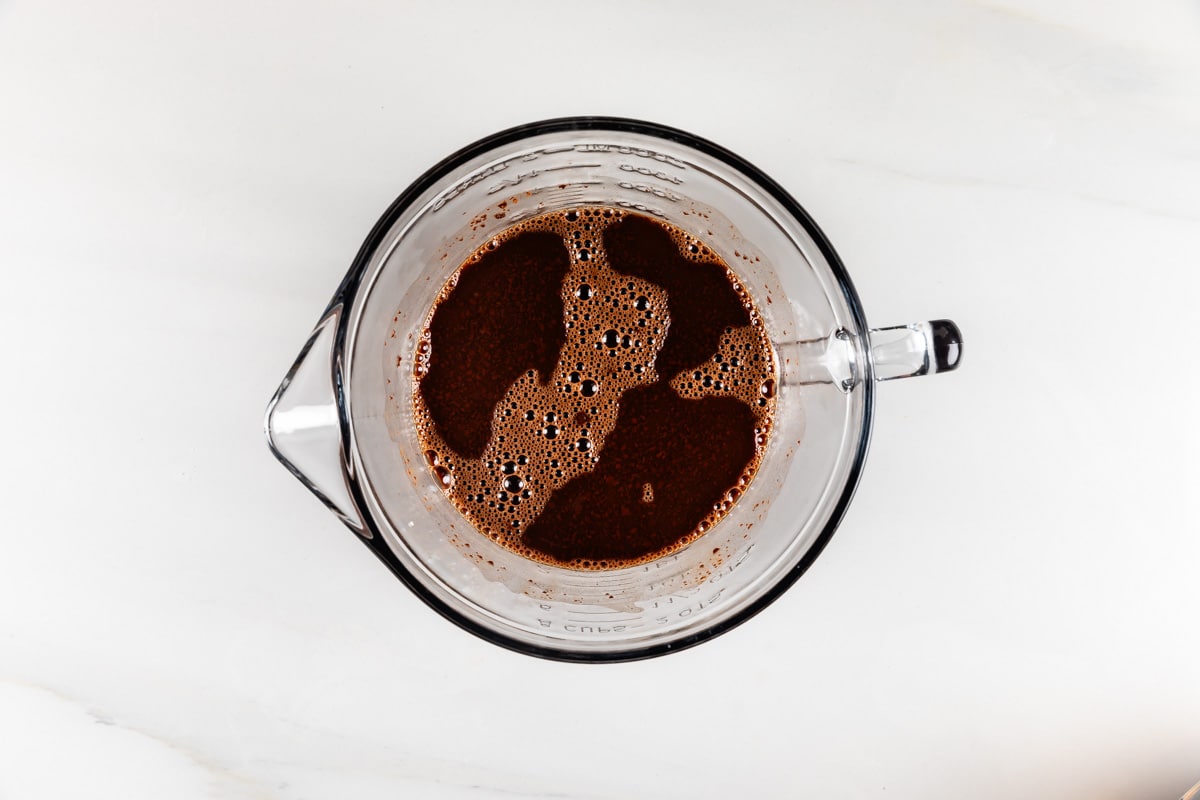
point(101, 718)
point(1069, 39)
point(1023, 16)
point(981, 182)
point(409, 770)
point(434, 771)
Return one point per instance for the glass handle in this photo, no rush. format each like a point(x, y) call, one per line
point(831, 359)
point(904, 351)
point(303, 427)
point(922, 348)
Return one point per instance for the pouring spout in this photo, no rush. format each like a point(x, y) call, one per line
point(303, 426)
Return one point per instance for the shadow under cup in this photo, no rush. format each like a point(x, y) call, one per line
point(807, 474)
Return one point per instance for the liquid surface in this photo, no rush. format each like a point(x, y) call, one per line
point(594, 388)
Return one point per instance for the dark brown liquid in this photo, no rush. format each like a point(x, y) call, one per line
point(594, 388)
point(504, 317)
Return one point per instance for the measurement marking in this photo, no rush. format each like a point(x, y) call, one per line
point(593, 613)
point(589, 584)
point(509, 183)
point(571, 166)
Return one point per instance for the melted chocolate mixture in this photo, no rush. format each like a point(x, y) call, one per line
point(503, 318)
point(594, 388)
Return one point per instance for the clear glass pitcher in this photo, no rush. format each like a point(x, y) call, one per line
point(342, 423)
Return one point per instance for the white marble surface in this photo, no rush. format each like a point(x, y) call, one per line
point(1010, 609)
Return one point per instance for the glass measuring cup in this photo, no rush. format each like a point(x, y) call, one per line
point(342, 422)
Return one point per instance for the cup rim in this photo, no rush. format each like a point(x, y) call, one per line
point(347, 291)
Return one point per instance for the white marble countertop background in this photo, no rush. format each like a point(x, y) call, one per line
point(1010, 608)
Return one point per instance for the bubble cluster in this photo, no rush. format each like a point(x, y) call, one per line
point(549, 429)
point(740, 368)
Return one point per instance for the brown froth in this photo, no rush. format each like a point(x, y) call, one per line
point(702, 301)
